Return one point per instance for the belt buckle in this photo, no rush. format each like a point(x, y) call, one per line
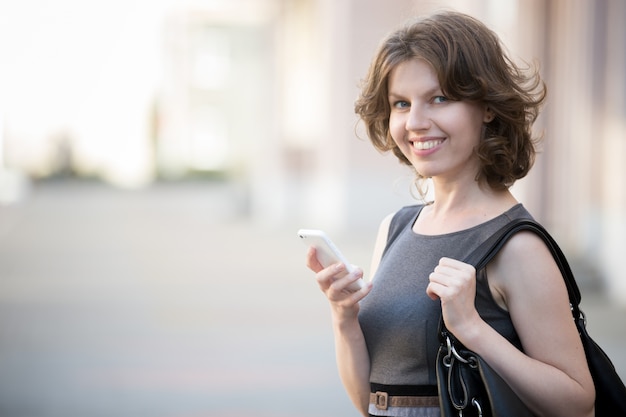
point(382, 400)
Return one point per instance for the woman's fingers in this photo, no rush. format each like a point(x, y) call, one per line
point(450, 277)
point(311, 260)
point(337, 284)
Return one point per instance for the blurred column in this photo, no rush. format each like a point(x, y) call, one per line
point(312, 183)
point(612, 177)
point(529, 47)
point(569, 123)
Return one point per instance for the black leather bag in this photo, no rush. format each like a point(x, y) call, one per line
point(469, 387)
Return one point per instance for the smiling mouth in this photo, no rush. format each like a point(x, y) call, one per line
point(426, 145)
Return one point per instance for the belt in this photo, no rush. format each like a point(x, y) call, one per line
point(383, 400)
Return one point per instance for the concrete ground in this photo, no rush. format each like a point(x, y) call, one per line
point(166, 302)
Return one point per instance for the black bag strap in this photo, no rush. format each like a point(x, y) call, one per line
point(480, 257)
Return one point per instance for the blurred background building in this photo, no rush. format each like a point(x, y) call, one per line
point(157, 157)
point(258, 94)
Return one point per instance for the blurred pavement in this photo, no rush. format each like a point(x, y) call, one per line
point(166, 302)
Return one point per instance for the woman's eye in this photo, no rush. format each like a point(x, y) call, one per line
point(439, 99)
point(401, 104)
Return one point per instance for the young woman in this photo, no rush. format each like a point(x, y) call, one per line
point(446, 100)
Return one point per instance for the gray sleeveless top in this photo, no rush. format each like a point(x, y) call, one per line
point(399, 321)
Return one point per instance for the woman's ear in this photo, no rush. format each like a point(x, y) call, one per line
point(489, 115)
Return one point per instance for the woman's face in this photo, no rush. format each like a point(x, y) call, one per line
point(437, 135)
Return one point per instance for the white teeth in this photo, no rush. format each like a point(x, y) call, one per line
point(422, 146)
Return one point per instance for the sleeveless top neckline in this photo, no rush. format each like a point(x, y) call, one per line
point(399, 321)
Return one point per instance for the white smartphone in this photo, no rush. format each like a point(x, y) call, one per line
point(327, 252)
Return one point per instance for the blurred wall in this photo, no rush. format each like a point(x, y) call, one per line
point(258, 94)
point(577, 186)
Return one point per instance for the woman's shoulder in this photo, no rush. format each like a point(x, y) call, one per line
point(525, 267)
point(405, 214)
point(393, 224)
point(518, 211)
point(400, 220)
point(389, 229)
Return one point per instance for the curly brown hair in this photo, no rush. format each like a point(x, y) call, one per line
point(471, 64)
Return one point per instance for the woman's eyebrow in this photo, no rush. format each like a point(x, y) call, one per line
point(436, 90)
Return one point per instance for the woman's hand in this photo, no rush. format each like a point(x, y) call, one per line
point(454, 283)
point(334, 281)
point(353, 359)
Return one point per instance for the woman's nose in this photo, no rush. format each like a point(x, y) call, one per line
point(418, 119)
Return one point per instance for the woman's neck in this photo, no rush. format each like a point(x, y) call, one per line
point(461, 209)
